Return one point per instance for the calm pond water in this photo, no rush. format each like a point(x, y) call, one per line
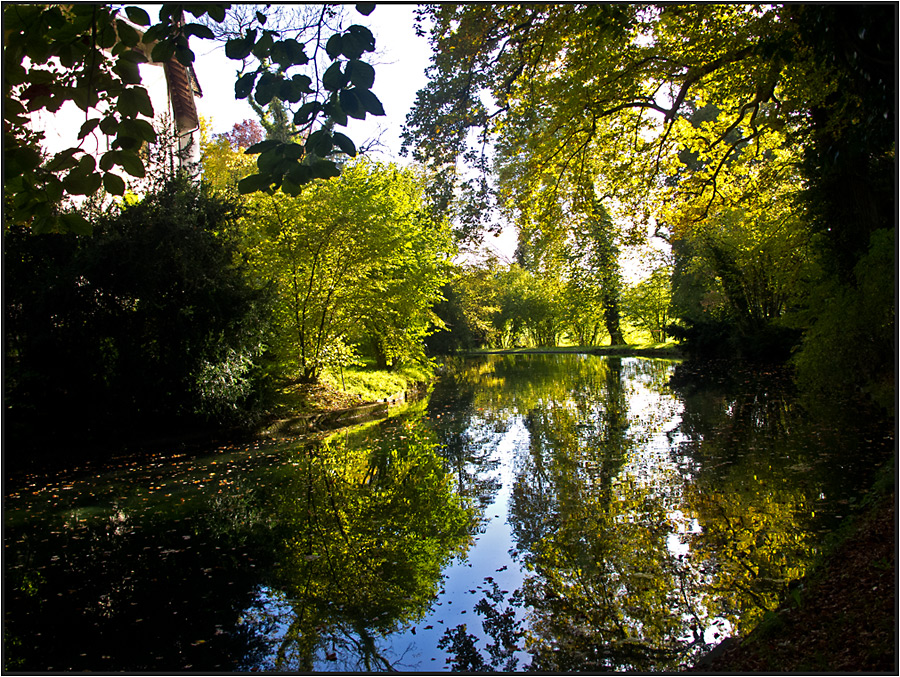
point(551, 512)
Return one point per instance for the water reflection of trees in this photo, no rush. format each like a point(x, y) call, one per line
point(761, 465)
point(652, 525)
point(363, 537)
point(604, 586)
point(304, 557)
point(121, 588)
point(758, 462)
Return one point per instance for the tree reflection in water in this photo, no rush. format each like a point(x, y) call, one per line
point(363, 535)
point(651, 522)
point(636, 519)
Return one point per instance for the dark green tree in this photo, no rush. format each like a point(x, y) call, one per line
point(150, 319)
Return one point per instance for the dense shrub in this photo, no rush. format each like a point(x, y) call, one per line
point(149, 321)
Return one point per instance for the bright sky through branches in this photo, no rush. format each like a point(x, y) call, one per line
point(400, 61)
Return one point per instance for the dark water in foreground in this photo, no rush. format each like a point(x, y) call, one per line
point(556, 512)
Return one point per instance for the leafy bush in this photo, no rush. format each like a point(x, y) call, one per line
point(850, 341)
point(147, 322)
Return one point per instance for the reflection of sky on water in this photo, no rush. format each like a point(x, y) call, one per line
point(489, 560)
point(724, 476)
point(496, 442)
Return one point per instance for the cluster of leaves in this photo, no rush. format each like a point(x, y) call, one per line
point(364, 531)
point(84, 54)
point(90, 55)
point(507, 306)
point(697, 123)
point(356, 263)
point(343, 92)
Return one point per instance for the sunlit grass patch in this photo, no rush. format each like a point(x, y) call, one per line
point(372, 385)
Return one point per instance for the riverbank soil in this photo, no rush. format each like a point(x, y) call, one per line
point(846, 620)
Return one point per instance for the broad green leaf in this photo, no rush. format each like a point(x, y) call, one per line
point(238, 48)
point(325, 169)
point(154, 33)
point(288, 53)
point(244, 85)
point(253, 183)
point(109, 159)
point(132, 164)
point(333, 79)
point(364, 35)
point(163, 51)
point(296, 52)
point(299, 174)
point(53, 190)
point(114, 184)
point(127, 142)
point(333, 110)
point(106, 37)
point(127, 34)
point(293, 151)
point(78, 183)
point(303, 83)
point(365, 8)
point(352, 46)
point(345, 144)
point(63, 160)
point(138, 129)
point(127, 70)
point(351, 105)
point(369, 101)
point(269, 160)
point(134, 56)
point(200, 31)
point(289, 91)
point(137, 15)
point(333, 46)
point(88, 127)
point(319, 143)
point(86, 164)
point(184, 55)
point(361, 74)
point(45, 223)
point(289, 187)
point(66, 55)
point(262, 146)
point(306, 112)
point(266, 88)
point(216, 13)
point(263, 45)
point(109, 125)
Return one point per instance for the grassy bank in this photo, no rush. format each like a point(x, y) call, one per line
point(351, 387)
point(363, 384)
point(667, 349)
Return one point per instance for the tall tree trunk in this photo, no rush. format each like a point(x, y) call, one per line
point(612, 316)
